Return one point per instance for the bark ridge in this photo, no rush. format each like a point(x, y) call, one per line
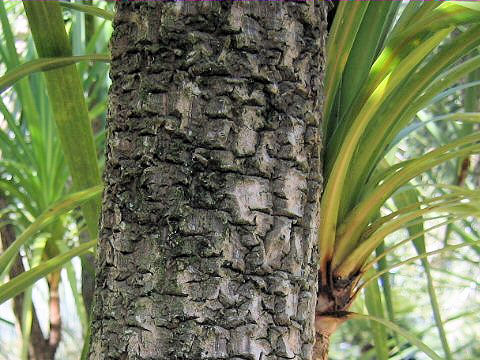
point(212, 182)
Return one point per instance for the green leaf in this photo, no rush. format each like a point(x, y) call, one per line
point(376, 20)
point(394, 327)
point(29, 109)
point(67, 204)
point(77, 295)
point(383, 254)
point(386, 285)
point(28, 278)
point(404, 199)
point(404, 104)
point(462, 117)
point(44, 64)
point(418, 257)
point(373, 302)
point(27, 318)
point(330, 206)
point(355, 260)
point(88, 9)
point(345, 26)
point(351, 229)
point(68, 104)
point(27, 304)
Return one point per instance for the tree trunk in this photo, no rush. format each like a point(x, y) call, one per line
point(212, 182)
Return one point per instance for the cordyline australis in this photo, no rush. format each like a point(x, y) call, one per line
point(221, 131)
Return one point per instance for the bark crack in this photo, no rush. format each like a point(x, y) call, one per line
point(218, 204)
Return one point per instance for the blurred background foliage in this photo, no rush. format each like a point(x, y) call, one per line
point(34, 177)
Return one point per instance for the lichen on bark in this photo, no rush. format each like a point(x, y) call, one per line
point(212, 182)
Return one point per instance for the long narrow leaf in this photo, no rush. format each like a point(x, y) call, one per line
point(88, 9)
point(335, 187)
point(342, 36)
point(391, 119)
point(418, 257)
point(407, 335)
point(376, 20)
point(404, 199)
point(373, 302)
point(44, 64)
point(69, 203)
point(354, 261)
point(68, 103)
point(362, 214)
point(24, 280)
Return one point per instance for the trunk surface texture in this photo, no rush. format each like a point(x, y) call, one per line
point(212, 182)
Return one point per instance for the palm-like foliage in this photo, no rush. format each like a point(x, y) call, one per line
point(384, 92)
point(375, 87)
point(34, 171)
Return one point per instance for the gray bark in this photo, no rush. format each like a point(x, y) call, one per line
point(212, 182)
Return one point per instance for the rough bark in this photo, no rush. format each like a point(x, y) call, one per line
point(212, 182)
